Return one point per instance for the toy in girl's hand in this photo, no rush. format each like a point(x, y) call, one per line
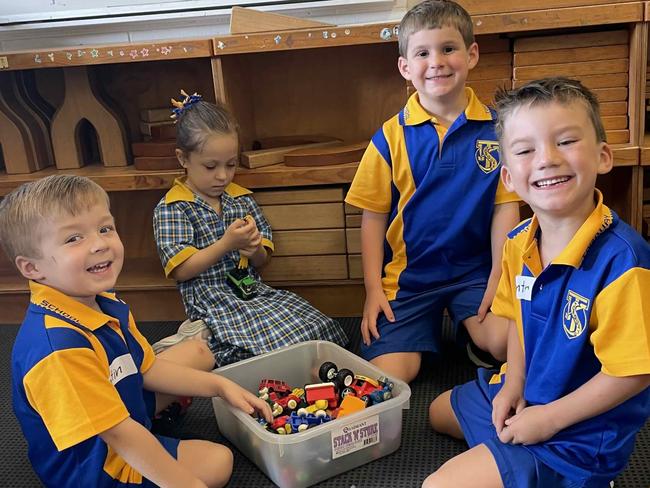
point(241, 281)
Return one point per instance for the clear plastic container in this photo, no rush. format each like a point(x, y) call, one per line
point(303, 459)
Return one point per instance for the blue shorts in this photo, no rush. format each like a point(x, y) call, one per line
point(518, 466)
point(418, 319)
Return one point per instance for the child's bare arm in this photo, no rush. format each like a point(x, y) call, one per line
point(237, 235)
point(600, 394)
point(504, 219)
point(142, 451)
point(175, 379)
point(373, 232)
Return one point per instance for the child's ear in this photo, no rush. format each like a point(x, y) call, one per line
point(606, 161)
point(472, 53)
point(402, 66)
point(180, 155)
point(28, 268)
point(506, 178)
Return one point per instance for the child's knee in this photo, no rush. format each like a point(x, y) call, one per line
point(220, 460)
point(434, 480)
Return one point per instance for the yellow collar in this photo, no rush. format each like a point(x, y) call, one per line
point(599, 220)
point(414, 112)
point(180, 192)
point(55, 301)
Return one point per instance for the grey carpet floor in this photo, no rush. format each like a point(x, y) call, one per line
point(422, 451)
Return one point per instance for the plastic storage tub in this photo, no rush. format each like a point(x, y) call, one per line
point(303, 459)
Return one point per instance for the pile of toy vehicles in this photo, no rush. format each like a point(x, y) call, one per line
point(340, 393)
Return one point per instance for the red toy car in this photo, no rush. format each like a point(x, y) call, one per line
point(267, 386)
point(361, 387)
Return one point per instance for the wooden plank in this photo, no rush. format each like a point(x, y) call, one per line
point(611, 94)
point(309, 242)
point(248, 20)
point(352, 210)
point(613, 80)
point(626, 156)
point(487, 72)
point(618, 136)
point(155, 114)
point(355, 266)
point(615, 122)
point(637, 72)
point(613, 108)
point(311, 195)
point(492, 44)
point(481, 7)
point(154, 148)
point(267, 157)
point(352, 221)
point(158, 130)
point(353, 240)
point(108, 54)
point(573, 69)
point(312, 156)
point(153, 163)
point(571, 41)
point(297, 268)
point(305, 216)
point(494, 59)
point(570, 55)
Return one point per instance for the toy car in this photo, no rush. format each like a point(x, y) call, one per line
point(361, 387)
point(267, 386)
point(288, 402)
point(321, 391)
point(316, 408)
point(280, 425)
point(300, 423)
point(242, 282)
point(329, 372)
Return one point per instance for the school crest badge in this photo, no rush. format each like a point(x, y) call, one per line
point(487, 155)
point(574, 315)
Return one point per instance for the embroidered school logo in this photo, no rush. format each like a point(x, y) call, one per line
point(574, 315)
point(486, 155)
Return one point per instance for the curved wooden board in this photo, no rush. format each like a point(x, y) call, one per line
point(323, 156)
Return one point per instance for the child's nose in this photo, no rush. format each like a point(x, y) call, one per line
point(548, 156)
point(100, 243)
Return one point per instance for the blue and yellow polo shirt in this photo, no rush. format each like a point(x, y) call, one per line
point(439, 187)
point(77, 372)
point(586, 312)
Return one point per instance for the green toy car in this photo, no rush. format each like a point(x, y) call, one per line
point(243, 283)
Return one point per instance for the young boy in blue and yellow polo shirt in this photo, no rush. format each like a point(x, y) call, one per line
point(435, 214)
point(575, 289)
point(83, 376)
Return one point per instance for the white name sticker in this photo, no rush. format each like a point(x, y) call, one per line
point(121, 367)
point(355, 436)
point(524, 286)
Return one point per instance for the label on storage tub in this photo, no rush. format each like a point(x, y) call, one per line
point(355, 436)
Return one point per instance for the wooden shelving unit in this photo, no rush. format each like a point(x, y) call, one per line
point(340, 81)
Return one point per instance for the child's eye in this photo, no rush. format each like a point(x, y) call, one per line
point(422, 54)
point(522, 152)
point(448, 49)
point(566, 142)
point(106, 229)
point(73, 238)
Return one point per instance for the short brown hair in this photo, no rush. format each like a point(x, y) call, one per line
point(200, 120)
point(435, 14)
point(544, 91)
point(24, 209)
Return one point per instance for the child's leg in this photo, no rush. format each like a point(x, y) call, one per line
point(442, 416)
point(193, 354)
point(208, 461)
point(491, 335)
point(464, 470)
point(400, 365)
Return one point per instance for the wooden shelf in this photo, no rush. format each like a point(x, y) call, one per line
point(128, 178)
point(644, 158)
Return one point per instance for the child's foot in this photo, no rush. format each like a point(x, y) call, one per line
point(187, 330)
point(481, 358)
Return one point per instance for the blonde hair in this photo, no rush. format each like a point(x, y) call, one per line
point(23, 211)
point(435, 14)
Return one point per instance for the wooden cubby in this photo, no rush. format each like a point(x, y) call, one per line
point(339, 81)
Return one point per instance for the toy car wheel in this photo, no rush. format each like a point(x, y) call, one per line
point(387, 395)
point(327, 371)
point(320, 413)
point(292, 404)
point(347, 391)
point(276, 410)
point(365, 398)
point(287, 428)
point(302, 411)
point(281, 431)
point(302, 427)
point(344, 378)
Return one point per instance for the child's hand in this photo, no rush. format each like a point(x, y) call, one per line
point(376, 302)
point(253, 244)
point(530, 426)
point(244, 400)
point(509, 399)
point(239, 234)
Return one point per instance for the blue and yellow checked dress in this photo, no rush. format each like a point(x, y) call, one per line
point(185, 223)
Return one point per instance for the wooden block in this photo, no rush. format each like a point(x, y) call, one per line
point(352, 210)
point(352, 221)
point(573, 69)
point(575, 55)
point(155, 114)
point(247, 20)
point(590, 39)
point(611, 94)
point(81, 102)
point(305, 216)
point(17, 152)
point(308, 242)
point(280, 141)
point(613, 108)
point(612, 80)
point(323, 156)
point(488, 72)
point(492, 44)
point(27, 85)
point(301, 268)
point(311, 195)
point(353, 240)
point(495, 59)
point(144, 163)
point(355, 266)
point(268, 157)
point(615, 122)
point(618, 136)
point(158, 130)
point(154, 149)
